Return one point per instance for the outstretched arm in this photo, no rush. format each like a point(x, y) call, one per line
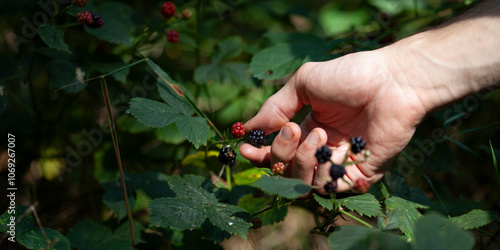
point(381, 95)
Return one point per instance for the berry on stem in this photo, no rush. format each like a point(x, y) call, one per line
point(227, 156)
point(278, 168)
point(357, 144)
point(237, 130)
point(361, 185)
point(186, 14)
point(256, 222)
point(97, 21)
point(337, 171)
point(81, 3)
point(85, 17)
point(256, 138)
point(173, 36)
point(168, 9)
point(323, 154)
point(330, 186)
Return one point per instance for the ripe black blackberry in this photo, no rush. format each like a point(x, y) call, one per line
point(330, 186)
point(337, 171)
point(97, 21)
point(256, 222)
point(256, 138)
point(323, 154)
point(357, 144)
point(227, 156)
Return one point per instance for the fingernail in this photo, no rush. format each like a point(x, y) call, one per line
point(313, 138)
point(286, 133)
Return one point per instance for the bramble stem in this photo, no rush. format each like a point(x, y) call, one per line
point(355, 218)
point(228, 177)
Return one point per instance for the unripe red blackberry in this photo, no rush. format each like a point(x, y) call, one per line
point(361, 185)
point(278, 168)
point(168, 9)
point(81, 3)
point(173, 36)
point(85, 17)
point(323, 154)
point(237, 130)
point(337, 171)
point(256, 138)
point(227, 156)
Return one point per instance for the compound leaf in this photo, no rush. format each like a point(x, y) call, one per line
point(229, 218)
point(183, 213)
point(326, 203)
point(194, 129)
point(364, 204)
point(288, 188)
point(53, 37)
point(475, 219)
point(406, 212)
point(435, 232)
point(152, 113)
point(35, 239)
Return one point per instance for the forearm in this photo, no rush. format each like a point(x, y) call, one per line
point(452, 61)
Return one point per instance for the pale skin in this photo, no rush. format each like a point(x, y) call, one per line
point(381, 95)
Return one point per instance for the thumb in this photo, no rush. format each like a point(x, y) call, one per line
point(278, 109)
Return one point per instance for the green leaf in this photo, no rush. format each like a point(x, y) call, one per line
point(22, 226)
point(255, 204)
point(174, 100)
point(406, 212)
point(288, 188)
point(114, 198)
point(296, 37)
point(193, 186)
point(35, 239)
point(223, 73)
point(364, 204)
point(359, 237)
point(435, 232)
point(163, 76)
point(229, 218)
point(112, 31)
point(326, 203)
point(154, 184)
point(475, 219)
point(228, 48)
point(195, 129)
point(53, 37)
point(152, 113)
point(88, 234)
point(64, 73)
point(248, 176)
point(183, 213)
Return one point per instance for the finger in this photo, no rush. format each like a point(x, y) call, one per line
point(305, 161)
point(258, 156)
point(322, 175)
point(285, 145)
point(283, 105)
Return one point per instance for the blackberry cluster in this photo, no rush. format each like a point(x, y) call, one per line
point(337, 171)
point(330, 186)
point(168, 9)
point(237, 130)
point(85, 17)
point(227, 156)
point(278, 168)
point(256, 138)
point(323, 154)
point(97, 21)
point(173, 36)
point(357, 144)
point(81, 3)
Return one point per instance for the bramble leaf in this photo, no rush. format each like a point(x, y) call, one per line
point(53, 37)
point(269, 217)
point(475, 219)
point(288, 188)
point(326, 203)
point(35, 239)
point(435, 232)
point(364, 204)
point(112, 31)
point(360, 237)
point(152, 113)
point(22, 226)
point(406, 212)
point(195, 129)
point(183, 213)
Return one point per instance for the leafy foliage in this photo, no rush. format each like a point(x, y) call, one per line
point(288, 188)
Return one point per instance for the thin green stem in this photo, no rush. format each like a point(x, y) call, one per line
point(355, 218)
point(228, 177)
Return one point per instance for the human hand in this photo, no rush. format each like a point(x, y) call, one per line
point(355, 95)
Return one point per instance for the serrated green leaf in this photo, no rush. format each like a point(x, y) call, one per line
point(183, 213)
point(193, 186)
point(326, 203)
point(164, 80)
point(152, 113)
point(35, 239)
point(170, 134)
point(364, 204)
point(229, 218)
point(194, 129)
point(65, 74)
point(174, 100)
point(288, 188)
point(359, 237)
point(53, 37)
point(475, 219)
point(22, 226)
point(254, 204)
point(435, 232)
point(407, 213)
point(228, 48)
point(154, 184)
point(88, 234)
point(112, 31)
